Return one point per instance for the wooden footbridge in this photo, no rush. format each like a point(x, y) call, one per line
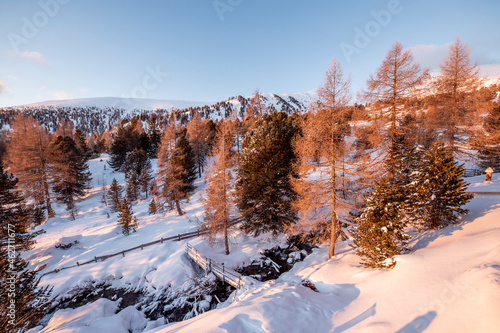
point(208, 265)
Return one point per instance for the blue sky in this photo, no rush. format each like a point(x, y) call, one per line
point(212, 49)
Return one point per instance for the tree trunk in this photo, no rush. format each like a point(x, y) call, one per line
point(178, 207)
point(226, 242)
point(50, 211)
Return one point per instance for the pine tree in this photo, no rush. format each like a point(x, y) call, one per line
point(126, 219)
point(28, 138)
point(176, 169)
point(14, 214)
point(152, 209)
point(115, 195)
point(487, 141)
point(70, 174)
point(132, 181)
point(82, 144)
point(378, 233)
point(125, 140)
point(31, 301)
point(184, 158)
point(264, 193)
point(154, 134)
point(402, 175)
point(146, 178)
point(17, 284)
point(218, 201)
point(441, 188)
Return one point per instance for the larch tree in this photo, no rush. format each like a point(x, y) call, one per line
point(322, 185)
point(254, 110)
point(198, 136)
point(455, 87)
point(218, 200)
point(396, 79)
point(29, 138)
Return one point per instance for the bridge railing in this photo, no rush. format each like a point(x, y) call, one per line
point(208, 265)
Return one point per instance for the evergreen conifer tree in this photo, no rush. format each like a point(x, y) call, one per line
point(488, 141)
point(264, 193)
point(176, 169)
point(124, 141)
point(15, 217)
point(31, 301)
point(115, 193)
point(17, 284)
point(82, 144)
point(184, 159)
point(70, 174)
point(133, 185)
point(152, 209)
point(378, 233)
point(441, 188)
point(145, 178)
point(154, 134)
point(126, 220)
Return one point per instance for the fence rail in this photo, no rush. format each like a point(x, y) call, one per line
point(473, 172)
point(208, 265)
point(177, 237)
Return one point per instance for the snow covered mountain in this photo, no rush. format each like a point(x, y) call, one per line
point(96, 115)
point(128, 104)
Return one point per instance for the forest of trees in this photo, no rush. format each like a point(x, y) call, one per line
point(335, 171)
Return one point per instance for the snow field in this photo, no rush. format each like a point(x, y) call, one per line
point(449, 283)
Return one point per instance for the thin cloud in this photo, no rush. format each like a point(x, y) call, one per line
point(45, 93)
point(29, 55)
point(60, 95)
point(3, 88)
point(429, 55)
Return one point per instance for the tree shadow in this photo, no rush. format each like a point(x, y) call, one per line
point(419, 324)
point(370, 312)
point(482, 206)
point(242, 323)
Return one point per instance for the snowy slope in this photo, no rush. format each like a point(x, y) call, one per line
point(449, 283)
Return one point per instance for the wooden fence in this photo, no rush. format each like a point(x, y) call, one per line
point(473, 172)
point(178, 237)
point(225, 274)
